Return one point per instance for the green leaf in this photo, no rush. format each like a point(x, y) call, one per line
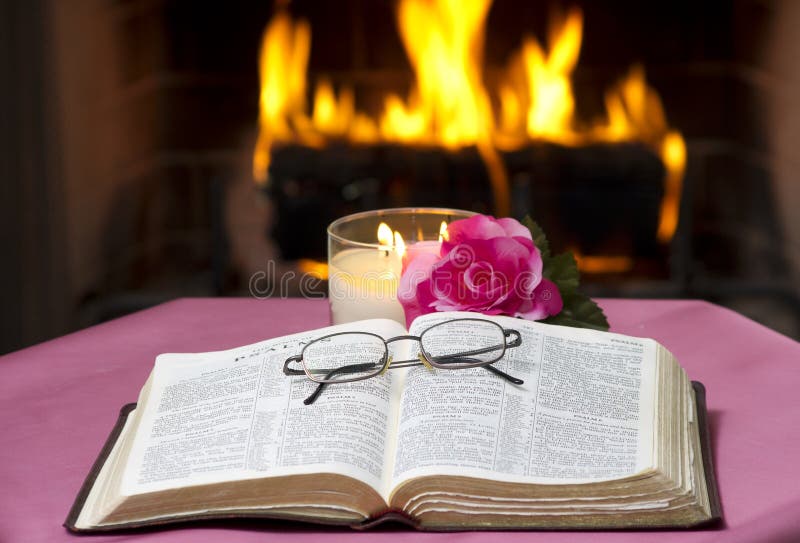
point(539, 239)
point(580, 311)
point(563, 271)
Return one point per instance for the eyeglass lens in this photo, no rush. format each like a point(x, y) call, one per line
point(344, 357)
point(463, 343)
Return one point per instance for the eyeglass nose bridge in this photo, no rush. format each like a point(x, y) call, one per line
point(403, 363)
point(389, 341)
point(401, 338)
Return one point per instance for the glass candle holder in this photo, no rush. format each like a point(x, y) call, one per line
point(366, 252)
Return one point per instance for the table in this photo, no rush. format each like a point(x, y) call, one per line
point(59, 400)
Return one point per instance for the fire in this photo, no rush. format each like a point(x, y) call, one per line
point(673, 153)
point(449, 103)
point(389, 240)
point(282, 69)
point(550, 114)
point(450, 106)
point(443, 234)
point(385, 236)
point(314, 268)
point(399, 244)
point(602, 264)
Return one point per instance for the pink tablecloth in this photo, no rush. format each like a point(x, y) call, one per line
point(58, 401)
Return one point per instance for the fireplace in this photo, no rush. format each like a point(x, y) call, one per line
point(157, 106)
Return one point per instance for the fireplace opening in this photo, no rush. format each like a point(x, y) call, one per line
point(468, 134)
point(189, 146)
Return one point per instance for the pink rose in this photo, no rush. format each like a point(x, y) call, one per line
point(486, 265)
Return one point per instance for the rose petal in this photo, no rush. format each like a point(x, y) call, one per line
point(409, 293)
point(514, 228)
point(414, 250)
point(504, 253)
point(478, 277)
point(475, 227)
point(546, 301)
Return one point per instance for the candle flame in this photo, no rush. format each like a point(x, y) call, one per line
point(385, 235)
point(399, 244)
point(443, 235)
point(390, 240)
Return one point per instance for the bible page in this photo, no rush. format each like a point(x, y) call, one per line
point(231, 415)
point(583, 414)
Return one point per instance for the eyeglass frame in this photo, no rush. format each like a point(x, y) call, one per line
point(424, 358)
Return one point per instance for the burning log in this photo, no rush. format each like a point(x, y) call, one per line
point(598, 198)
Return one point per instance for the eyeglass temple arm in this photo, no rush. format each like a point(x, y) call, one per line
point(344, 369)
point(504, 375)
point(291, 371)
point(516, 341)
point(496, 371)
point(352, 368)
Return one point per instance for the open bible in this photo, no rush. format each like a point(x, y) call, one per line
point(606, 431)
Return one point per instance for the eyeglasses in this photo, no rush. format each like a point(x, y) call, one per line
point(345, 357)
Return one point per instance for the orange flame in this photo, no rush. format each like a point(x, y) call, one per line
point(314, 268)
point(282, 69)
point(552, 105)
point(603, 263)
point(449, 105)
point(390, 240)
point(444, 40)
point(444, 235)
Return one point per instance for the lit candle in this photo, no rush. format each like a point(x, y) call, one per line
point(363, 282)
point(364, 272)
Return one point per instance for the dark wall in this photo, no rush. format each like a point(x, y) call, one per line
point(33, 301)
